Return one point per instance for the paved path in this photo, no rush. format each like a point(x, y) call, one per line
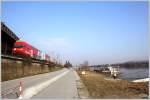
point(58, 84)
point(65, 87)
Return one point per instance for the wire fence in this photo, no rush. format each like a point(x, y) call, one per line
point(13, 92)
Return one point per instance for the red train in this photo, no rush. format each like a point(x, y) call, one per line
point(24, 49)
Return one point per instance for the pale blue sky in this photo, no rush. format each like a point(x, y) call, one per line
point(100, 32)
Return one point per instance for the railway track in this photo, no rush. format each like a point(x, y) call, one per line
point(19, 58)
point(11, 57)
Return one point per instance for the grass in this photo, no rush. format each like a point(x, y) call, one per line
point(99, 88)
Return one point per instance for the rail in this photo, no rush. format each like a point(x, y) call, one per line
point(11, 57)
point(18, 58)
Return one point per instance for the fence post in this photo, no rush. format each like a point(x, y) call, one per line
point(20, 90)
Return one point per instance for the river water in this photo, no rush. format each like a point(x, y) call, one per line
point(134, 73)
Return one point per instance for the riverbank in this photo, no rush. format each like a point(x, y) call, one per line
point(101, 88)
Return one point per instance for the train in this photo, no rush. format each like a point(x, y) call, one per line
point(24, 49)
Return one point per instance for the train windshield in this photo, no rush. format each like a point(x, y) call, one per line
point(19, 46)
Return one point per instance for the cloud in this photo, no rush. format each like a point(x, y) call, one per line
point(53, 43)
point(55, 46)
point(58, 41)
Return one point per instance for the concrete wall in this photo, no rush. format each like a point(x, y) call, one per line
point(12, 69)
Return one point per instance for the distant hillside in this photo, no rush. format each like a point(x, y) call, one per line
point(130, 64)
point(134, 64)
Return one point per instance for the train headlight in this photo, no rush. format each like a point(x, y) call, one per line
point(21, 49)
point(14, 49)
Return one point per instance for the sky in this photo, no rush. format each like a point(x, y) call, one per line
point(97, 32)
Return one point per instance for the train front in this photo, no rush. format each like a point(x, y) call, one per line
point(19, 49)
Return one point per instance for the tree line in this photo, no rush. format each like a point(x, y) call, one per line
point(131, 64)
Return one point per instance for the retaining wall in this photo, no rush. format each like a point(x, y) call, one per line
point(12, 69)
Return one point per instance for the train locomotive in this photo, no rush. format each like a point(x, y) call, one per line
point(23, 49)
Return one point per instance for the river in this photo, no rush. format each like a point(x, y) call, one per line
point(134, 73)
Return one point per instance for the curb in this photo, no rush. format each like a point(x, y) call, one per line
point(81, 88)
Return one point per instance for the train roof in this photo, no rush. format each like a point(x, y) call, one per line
point(27, 44)
point(20, 41)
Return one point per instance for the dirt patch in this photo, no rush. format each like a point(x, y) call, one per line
point(99, 88)
point(140, 87)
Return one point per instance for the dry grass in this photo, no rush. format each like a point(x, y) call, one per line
point(98, 87)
